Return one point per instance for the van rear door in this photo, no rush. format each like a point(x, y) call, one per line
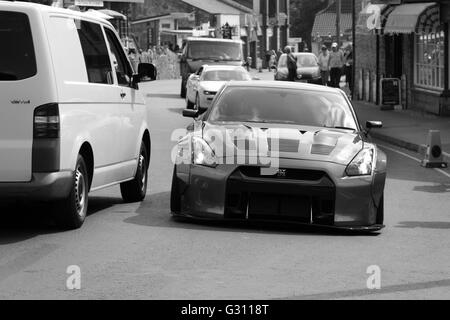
point(23, 87)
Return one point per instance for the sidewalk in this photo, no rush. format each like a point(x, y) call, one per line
point(405, 128)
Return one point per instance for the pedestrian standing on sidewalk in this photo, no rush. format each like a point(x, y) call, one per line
point(336, 63)
point(324, 58)
point(291, 64)
point(348, 57)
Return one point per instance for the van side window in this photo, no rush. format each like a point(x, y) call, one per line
point(95, 52)
point(17, 58)
point(120, 62)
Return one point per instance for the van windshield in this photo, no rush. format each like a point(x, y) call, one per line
point(225, 51)
point(17, 58)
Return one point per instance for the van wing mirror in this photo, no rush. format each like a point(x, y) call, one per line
point(147, 72)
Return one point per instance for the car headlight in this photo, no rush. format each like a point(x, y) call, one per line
point(202, 153)
point(362, 164)
point(209, 93)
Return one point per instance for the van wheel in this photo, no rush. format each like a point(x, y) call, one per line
point(175, 198)
point(70, 213)
point(136, 189)
point(183, 89)
point(380, 211)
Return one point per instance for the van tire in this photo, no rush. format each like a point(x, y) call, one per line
point(136, 189)
point(70, 213)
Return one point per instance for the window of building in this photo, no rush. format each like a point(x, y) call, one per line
point(429, 60)
point(95, 52)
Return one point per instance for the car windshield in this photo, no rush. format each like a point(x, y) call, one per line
point(283, 106)
point(17, 58)
point(225, 75)
point(215, 50)
point(306, 61)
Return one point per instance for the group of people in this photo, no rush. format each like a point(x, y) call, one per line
point(336, 63)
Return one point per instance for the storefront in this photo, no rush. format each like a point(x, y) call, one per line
point(411, 45)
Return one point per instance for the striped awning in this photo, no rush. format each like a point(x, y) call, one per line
point(414, 18)
point(325, 24)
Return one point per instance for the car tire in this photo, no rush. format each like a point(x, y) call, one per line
point(380, 211)
point(70, 213)
point(175, 197)
point(183, 89)
point(136, 189)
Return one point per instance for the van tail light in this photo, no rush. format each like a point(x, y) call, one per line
point(46, 122)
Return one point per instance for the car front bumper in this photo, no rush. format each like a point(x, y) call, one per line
point(43, 186)
point(329, 198)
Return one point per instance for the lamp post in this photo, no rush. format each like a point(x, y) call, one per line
point(354, 47)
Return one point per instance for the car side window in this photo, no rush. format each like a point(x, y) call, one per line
point(120, 62)
point(98, 65)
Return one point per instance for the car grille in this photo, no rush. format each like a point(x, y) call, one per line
point(306, 196)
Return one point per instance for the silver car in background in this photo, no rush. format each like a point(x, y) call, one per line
point(203, 85)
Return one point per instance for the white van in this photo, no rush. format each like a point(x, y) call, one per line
point(69, 124)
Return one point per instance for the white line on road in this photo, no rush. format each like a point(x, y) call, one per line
point(413, 158)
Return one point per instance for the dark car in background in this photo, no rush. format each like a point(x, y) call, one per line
point(210, 51)
point(308, 69)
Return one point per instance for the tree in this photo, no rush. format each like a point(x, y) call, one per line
point(303, 13)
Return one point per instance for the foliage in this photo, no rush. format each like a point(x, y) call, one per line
point(303, 13)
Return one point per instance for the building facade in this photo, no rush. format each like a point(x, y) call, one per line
point(407, 40)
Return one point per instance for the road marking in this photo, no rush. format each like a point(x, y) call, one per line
point(413, 158)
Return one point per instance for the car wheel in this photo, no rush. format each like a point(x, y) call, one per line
point(136, 189)
point(380, 211)
point(183, 89)
point(175, 197)
point(71, 212)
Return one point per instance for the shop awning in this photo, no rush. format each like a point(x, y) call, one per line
point(325, 24)
point(213, 6)
point(413, 18)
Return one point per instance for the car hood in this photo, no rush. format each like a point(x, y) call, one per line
point(213, 86)
point(293, 142)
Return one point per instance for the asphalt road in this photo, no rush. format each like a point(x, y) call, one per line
point(137, 251)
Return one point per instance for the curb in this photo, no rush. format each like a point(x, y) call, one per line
point(418, 148)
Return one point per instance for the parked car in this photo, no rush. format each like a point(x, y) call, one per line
point(283, 152)
point(308, 69)
point(203, 85)
point(73, 118)
point(200, 51)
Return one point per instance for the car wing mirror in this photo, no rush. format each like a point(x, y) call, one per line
point(373, 125)
point(189, 113)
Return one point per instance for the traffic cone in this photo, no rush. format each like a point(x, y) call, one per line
point(434, 157)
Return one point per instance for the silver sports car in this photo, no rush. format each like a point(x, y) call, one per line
point(277, 151)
